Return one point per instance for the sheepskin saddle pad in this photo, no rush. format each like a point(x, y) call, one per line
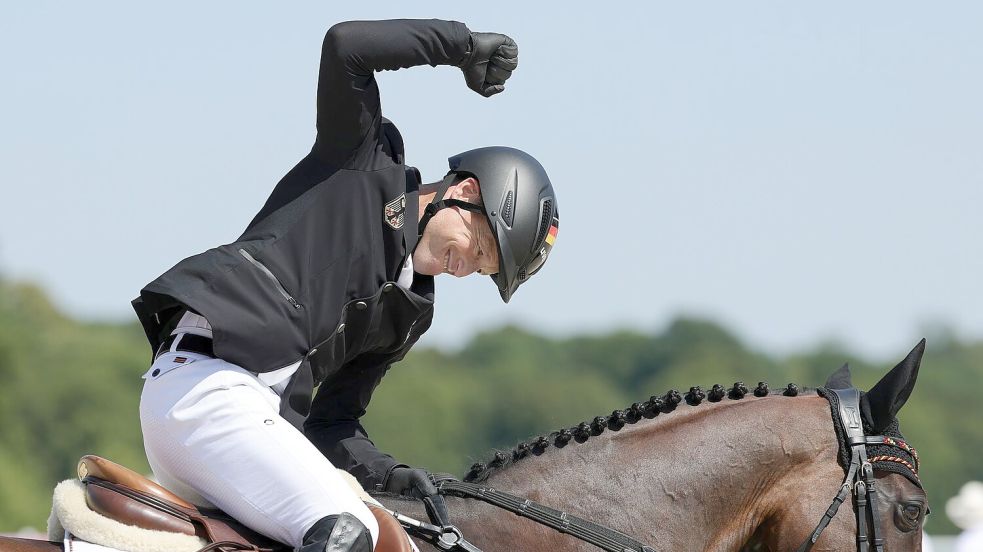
point(113, 506)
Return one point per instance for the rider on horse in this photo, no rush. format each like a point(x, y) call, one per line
point(330, 284)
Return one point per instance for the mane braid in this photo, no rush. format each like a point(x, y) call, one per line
point(649, 409)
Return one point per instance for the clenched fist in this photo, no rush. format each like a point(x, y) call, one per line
point(416, 482)
point(490, 63)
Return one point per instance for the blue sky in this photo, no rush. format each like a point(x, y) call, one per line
point(798, 171)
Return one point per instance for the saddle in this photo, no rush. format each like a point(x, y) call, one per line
point(127, 497)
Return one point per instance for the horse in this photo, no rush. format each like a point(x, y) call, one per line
point(722, 470)
point(729, 471)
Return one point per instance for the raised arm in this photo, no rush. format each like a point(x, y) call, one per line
point(348, 111)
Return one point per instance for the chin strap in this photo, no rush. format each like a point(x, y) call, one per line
point(439, 203)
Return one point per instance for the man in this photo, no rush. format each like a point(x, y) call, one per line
point(330, 284)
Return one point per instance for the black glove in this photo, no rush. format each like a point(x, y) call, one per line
point(489, 63)
point(416, 482)
point(413, 482)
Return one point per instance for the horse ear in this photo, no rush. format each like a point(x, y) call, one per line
point(886, 398)
point(840, 379)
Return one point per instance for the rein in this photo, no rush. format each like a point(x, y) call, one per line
point(600, 536)
point(448, 537)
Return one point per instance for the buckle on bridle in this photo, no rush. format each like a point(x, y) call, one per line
point(449, 537)
point(446, 537)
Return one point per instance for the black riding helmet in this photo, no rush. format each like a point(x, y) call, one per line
point(519, 202)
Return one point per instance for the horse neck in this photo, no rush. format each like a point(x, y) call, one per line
point(701, 477)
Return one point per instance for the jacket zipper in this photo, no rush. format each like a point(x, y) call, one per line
point(271, 276)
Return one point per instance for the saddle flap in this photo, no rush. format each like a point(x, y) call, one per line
point(96, 466)
point(120, 503)
point(129, 511)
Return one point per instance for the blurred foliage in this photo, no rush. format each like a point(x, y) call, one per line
point(71, 388)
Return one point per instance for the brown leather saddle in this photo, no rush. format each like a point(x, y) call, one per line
point(125, 496)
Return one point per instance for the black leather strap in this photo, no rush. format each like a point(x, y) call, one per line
point(850, 416)
point(593, 533)
point(435, 205)
point(861, 492)
point(439, 203)
point(860, 474)
point(838, 500)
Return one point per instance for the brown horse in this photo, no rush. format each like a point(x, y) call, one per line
point(727, 470)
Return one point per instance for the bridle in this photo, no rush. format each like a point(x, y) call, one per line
point(859, 480)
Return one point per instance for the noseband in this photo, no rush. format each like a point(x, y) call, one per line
point(859, 479)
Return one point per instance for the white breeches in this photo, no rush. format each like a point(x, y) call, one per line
point(214, 436)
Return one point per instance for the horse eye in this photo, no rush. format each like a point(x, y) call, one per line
point(909, 516)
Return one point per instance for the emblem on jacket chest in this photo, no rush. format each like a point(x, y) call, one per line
point(395, 212)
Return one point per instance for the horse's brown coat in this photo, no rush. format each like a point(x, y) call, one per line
point(12, 544)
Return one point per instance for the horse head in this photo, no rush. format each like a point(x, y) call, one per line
point(890, 517)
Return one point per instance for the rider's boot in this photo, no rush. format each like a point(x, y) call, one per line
point(339, 533)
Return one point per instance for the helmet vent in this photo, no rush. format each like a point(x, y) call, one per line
point(545, 218)
point(508, 209)
point(522, 275)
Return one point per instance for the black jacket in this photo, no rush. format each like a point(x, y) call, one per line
point(312, 278)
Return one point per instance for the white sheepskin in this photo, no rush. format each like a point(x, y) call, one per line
point(55, 531)
point(70, 512)
point(357, 488)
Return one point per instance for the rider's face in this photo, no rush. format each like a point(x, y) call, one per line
point(457, 241)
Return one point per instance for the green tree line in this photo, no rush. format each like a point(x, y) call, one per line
point(72, 387)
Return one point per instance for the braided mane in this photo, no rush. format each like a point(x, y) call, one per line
point(655, 405)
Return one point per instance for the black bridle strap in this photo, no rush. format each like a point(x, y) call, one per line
point(859, 478)
point(587, 531)
point(861, 492)
point(870, 483)
point(833, 508)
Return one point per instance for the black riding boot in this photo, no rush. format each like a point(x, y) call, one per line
point(340, 533)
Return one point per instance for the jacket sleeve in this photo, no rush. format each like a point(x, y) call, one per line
point(334, 428)
point(348, 111)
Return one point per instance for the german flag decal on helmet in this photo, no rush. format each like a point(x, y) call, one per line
point(554, 228)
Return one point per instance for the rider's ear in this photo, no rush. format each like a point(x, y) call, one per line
point(466, 190)
point(886, 398)
point(840, 379)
